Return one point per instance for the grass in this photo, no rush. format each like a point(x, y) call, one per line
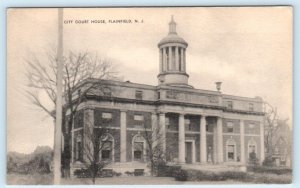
point(243, 177)
point(29, 179)
point(206, 178)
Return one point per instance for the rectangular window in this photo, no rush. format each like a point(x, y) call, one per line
point(251, 107)
point(105, 154)
point(251, 126)
point(107, 92)
point(106, 115)
point(158, 95)
point(229, 105)
point(229, 127)
point(171, 94)
point(187, 124)
point(138, 95)
point(78, 151)
point(138, 118)
point(167, 121)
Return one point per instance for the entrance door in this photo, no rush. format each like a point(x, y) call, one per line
point(188, 152)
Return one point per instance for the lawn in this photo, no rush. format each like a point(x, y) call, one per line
point(47, 179)
point(29, 179)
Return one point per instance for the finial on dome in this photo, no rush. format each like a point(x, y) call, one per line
point(172, 26)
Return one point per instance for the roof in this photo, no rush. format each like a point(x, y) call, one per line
point(172, 38)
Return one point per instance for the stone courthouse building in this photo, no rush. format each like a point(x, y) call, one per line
point(199, 126)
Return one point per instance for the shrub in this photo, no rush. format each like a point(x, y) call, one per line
point(268, 169)
point(82, 173)
point(168, 171)
point(196, 175)
point(181, 175)
point(117, 173)
point(86, 173)
point(138, 172)
point(129, 173)
point(269, 161)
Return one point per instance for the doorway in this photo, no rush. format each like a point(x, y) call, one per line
point(188, 152)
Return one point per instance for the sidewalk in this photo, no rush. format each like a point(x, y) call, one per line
point(140, 180)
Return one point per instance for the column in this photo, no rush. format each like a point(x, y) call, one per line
point(203, 149)
point(215, 156)
point(177, 58)
point(160, 61)
point(88, 131)
point(194, 152)
point(220, 139)
point(242, 135)
point(262, 142)
point(165, 63)
point(184, 64)
point(170, 58)
point(162, 127)
point(123, 137)
point(181, 58)
point(181, 139)
point(154, 129)
point(72, 152)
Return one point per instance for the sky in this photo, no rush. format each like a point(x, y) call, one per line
point(248, 49)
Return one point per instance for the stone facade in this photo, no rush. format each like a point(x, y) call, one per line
point(199, 126)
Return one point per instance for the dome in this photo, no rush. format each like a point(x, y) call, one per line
point(172, 38)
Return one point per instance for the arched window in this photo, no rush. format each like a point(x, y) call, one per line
point(107, 147)
point(78, 148)
point(252, 149)
point(231, 150)
point(138, 148)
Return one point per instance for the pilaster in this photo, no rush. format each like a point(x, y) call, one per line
point(203, 145)
point(181, 139)
point(262, 142)
point(162, 125)
point(220, 139)
point(123, 136)
point(242, 135)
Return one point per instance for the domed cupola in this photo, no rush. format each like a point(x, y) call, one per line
point(172, 69)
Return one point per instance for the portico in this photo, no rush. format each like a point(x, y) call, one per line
point(198, 138)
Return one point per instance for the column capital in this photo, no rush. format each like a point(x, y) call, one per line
point(154, 113)
point(123, 110)
point(89, 108)
point(161, 113)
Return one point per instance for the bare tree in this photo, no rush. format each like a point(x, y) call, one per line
point(155, 150)
point(271, 119)
point(96, 139)
point(83, 73)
